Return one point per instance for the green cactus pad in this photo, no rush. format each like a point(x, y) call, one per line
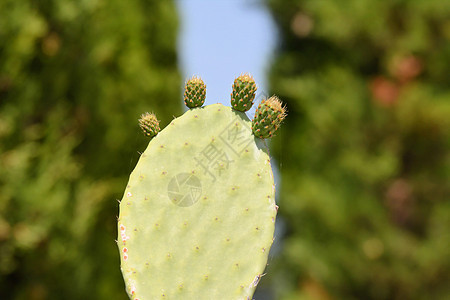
point(149, 124)
point(194, 92)
point(243, 94)
point(197, 216)
point(268, 117)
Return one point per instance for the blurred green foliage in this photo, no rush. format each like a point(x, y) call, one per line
point(364, 154)
point(74, 78)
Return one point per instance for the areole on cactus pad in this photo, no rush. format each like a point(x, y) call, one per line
point(198, 214)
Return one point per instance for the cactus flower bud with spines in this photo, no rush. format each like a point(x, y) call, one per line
point(243, 94)
point(268, 117)
point(149, 124)
point(194, 92)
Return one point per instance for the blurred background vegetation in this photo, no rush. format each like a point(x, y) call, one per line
point(74, 78)
point(365, 150)
point(363, 157)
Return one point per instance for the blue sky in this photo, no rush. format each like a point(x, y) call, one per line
point(220, 39)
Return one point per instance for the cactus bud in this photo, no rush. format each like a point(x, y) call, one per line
point(194, 92)
point(243, 94)
point(268, 117)
point(149, 124)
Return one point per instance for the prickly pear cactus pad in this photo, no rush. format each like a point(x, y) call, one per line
point(197, 216)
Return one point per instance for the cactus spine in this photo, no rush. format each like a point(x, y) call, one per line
point(198, 214)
